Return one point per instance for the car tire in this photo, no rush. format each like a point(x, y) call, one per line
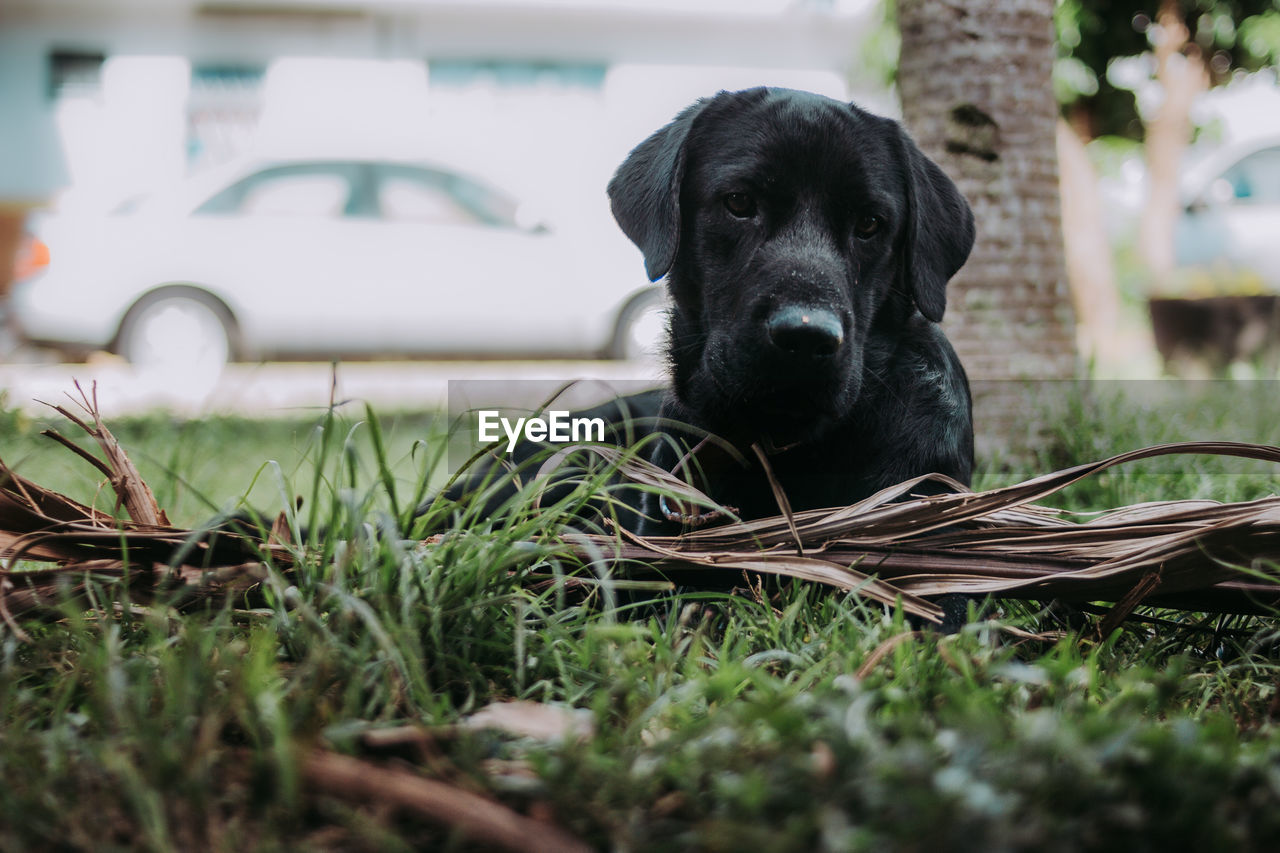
point(177, 328)
point(641, 331)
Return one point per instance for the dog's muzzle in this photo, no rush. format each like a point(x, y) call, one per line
point(805, 332)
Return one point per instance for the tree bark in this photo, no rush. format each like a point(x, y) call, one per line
point(975, 82)
point(1088, 251)
point(1182, 75)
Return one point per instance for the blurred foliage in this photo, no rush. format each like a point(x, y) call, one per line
point(1219, 279)
point(878, 52)
point(1231, 35)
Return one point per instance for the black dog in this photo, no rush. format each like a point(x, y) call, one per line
point(807, 246)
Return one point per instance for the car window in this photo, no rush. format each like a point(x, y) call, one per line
point(320, 191)
point(488, 204)
point(297, 195)
point(407, 199)
point(416, 194)
point(1256, 178)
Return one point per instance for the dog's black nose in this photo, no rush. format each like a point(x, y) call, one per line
point(805, 331)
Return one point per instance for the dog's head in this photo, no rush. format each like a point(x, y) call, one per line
point(799, 235)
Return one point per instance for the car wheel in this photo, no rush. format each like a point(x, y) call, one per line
point(177, 329)
point(641, 331)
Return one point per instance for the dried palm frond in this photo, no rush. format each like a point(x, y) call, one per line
point(891, 547)
point(1197, 554)
point(143, 554)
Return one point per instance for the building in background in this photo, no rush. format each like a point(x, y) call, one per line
point(545, 95)
point(31, 166)
point(542, 98)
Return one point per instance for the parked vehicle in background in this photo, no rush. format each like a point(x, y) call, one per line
point(1229, 232)
point(324, 258)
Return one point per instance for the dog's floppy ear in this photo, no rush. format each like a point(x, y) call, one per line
point(939, 230)
point(644, 193)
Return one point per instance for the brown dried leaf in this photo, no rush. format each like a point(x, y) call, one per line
point(550, 723)
point(476, 817)
point(131, 490)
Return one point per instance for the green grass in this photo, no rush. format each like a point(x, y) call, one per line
point(720, 723)
point(1092, 421)
point(197, 467)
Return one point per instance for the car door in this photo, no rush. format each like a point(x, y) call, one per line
point(458, 272)
point(1236, 224)
point(278, 246)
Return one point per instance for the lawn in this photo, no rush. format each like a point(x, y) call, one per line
point(792, 719)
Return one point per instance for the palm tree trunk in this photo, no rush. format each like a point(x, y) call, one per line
point(1088, 252)
point(974, 79)
point(1182, 75)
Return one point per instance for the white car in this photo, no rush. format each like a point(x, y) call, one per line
point(325, 258)
point(1231, 218)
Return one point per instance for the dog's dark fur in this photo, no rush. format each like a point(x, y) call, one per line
point(847, 219)
point(807, 246)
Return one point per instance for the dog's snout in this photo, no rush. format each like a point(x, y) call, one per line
point(803, 331)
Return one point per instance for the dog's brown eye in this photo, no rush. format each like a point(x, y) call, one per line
point(740, 205)
point(866, 226)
